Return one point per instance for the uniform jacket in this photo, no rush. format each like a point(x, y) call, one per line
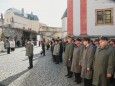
point(87, 61)
point(29, 50)
point(103, 65)
point(76, 68)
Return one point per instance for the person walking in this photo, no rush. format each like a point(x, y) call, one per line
point(29, 53)
point(8, 46)
point(56, 51)
point(43, 48)
point(68, 56)
point(76, 68)
point(87, 62)
point(103, 63)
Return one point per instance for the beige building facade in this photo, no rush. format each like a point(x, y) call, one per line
point(20, 25)
point(50, 32)
point(20, 19)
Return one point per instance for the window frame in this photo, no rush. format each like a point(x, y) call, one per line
point(104, 19)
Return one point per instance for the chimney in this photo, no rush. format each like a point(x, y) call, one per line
point(23, 11)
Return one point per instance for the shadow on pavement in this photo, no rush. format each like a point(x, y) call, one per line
point(3, 54)
point(36, 56)
point(10, 79)
point(46, 73)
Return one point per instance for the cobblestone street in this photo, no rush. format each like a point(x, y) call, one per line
point(14, 72)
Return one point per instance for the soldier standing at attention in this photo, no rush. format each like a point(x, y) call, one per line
point(87, 62)
point(103, 63)
point(68, 56)
point(76, 68)
point(29, 53)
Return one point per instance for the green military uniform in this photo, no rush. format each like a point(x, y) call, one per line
point(68, 54)
point(103, 65)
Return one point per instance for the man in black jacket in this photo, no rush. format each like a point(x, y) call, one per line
point(43, 48)
point(61, 50)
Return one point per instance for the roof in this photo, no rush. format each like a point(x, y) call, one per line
point(29, 31)
point(42, 24)
point(19, 13)
point(51, 27)
point(65, 14)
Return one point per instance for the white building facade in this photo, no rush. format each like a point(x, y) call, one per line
point(91, 18)
point(64, 24)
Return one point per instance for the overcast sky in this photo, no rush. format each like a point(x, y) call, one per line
point(48, 11)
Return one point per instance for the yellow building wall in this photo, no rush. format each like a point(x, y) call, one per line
point(21, 22)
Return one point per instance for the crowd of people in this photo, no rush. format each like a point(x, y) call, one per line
point(91, 62)
point(8, 45)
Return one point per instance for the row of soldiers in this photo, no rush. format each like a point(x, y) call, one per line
point(57, 50)
point(93, 62)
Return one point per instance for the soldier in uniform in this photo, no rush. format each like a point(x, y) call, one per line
point(76, 68)
point(64, 43)
point(68, 56)
point(87, 61)
point(29, 53)
point(103, 63)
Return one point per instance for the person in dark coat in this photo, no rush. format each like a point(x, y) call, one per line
point(29, 53)
point(87, 62)
point(8, 46)
point(68, 54)
point(112, 43)
point(76, 68)
point(48, 45)
point(56, 51)
point(114, 65)
point(43, 48)
point(96, 42)
point(103, 65)
point(18, 43)
point(52, 49)
point(61, 50)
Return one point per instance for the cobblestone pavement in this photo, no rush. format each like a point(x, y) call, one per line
point(14, 72)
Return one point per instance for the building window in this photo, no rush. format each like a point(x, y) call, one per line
point(104, 16)
point(100, 18)
point(108, 16)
